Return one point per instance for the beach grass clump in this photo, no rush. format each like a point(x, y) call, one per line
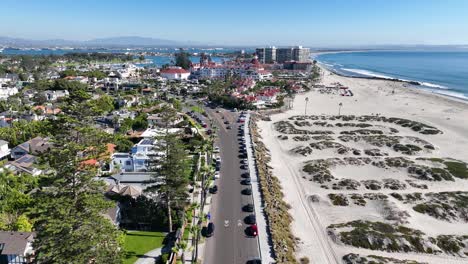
point(363, 132)
point(353, 258)
point(276, 209)
point(302, 150)
point(372, 185)
point(382, 236)
point(318, 171)
point(408, 149)
point(455, 168)
point(338, 199)
point(286, 127)
point(447, 206)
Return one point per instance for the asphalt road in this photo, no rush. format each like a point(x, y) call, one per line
point(229, 244)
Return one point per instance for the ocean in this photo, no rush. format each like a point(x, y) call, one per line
point(156, 60)
point(444, 72)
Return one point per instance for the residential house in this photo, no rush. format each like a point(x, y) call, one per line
point(8, 78)
point(54, 95)
point(4, 150)
point(268, 95)
point(175, 73)
point(24, 164)
point(5, 121)
point(16, 247)
point(6, 92)
point(34, 146)
point(47, 109)
point(157, 120)
point(137, 179)
point(139, 158)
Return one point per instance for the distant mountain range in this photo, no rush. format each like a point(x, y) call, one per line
point(125, 41)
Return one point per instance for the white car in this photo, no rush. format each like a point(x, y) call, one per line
point(216, 149)
point(217, 175)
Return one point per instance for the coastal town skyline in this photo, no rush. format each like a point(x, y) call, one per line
point(335, 24)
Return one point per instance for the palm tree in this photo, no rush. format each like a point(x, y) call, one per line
point(182, 245)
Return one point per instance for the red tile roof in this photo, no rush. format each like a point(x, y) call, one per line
point(174, 71)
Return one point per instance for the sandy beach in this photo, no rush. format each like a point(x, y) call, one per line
point(336, 170)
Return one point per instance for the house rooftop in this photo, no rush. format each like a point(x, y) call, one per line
point(15, 243)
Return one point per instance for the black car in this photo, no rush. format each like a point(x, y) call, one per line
point(248, 208)
point(214, 189)
point(210, 230)
point(228, 127)
point(254, 261)
point(250, 219)
point(243, 167)
point(245, 175)
point(247, 191)
point(246, 182)
point(226, 122)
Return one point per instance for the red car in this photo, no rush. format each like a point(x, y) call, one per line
point(253, 230)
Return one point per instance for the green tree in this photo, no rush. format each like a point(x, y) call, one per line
point(23, 224)
point(15, 200)
point(182, 59)
point(96, 74)
point(171, 175)
point(67, 73)
point(70, 224)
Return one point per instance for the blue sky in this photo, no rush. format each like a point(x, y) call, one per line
point(242, 22)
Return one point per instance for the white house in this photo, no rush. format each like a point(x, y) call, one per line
point(54, 95)
point(4, 150)
point(6, 92)
point(175, 73)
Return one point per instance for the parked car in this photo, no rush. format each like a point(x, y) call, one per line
point(216, 149)
point(214, 189)
point(247, 191)
point(226, 122)
point(254, 261)
point(252, 230)
point(217, 175)
point(228, 127)
point(248, 208)
point(250, 219)
point(246, 182)
point(245, 175)
point(210, 230)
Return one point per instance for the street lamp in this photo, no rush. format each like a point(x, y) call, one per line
point(305, 110)
point(339, 108)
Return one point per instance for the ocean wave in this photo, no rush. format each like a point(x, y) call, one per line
point(377, 75)
point(433, 85)
point(368, 73)
point(449, 93)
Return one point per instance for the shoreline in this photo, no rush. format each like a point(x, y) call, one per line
point(415, 85)
point(443, 90)
point(311, 204)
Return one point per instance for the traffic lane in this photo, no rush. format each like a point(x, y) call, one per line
point(230, 244)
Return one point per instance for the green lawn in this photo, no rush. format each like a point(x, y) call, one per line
point(138, 243)
point(197, 109)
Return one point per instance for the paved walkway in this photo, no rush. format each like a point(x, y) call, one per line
point(149, 257)
point(264, 247)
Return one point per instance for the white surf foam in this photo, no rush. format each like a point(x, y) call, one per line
point(433, 85)
point(368, 73)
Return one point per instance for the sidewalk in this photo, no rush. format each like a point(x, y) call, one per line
point(149, 257)
point(264, 247)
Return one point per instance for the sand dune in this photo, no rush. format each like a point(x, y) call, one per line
point(355, 187)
